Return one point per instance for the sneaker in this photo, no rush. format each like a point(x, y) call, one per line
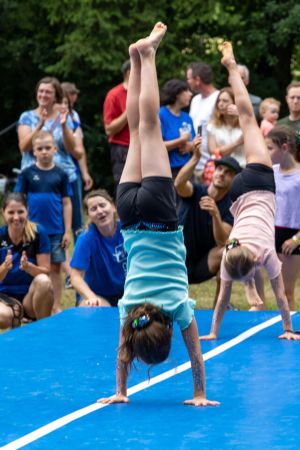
point(68, 284)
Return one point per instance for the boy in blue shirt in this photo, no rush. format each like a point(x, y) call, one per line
point(48, 193)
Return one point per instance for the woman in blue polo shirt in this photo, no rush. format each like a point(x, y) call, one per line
point(25, 288)
point(98, 265)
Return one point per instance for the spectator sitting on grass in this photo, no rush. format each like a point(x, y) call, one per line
point(98, 265)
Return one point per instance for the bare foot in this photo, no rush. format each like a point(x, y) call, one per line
point(256, 308)
point(150, 43)
point(133, 52)
point(228, 56)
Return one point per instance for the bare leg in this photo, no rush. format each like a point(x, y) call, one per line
point(6, 316)
point(290, 272)
point(56, 279)
point(260, 288)
point(132, 168)
point(154, 159)
point(254, 145)
point(38, 302)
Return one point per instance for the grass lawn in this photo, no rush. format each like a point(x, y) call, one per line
point(204, 295)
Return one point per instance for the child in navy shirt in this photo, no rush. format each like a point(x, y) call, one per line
point(48, 192)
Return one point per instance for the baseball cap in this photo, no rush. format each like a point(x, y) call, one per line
point(70, 87)
point(230, 162)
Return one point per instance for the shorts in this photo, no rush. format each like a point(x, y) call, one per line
point(281, 235)
point(118, 155)
point(255, 177)
point(58, 254)
point(198, 270)
point(151, 202)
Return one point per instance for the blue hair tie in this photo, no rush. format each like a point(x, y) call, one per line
point(141, 322)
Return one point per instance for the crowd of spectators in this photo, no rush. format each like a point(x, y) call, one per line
point(201, 130)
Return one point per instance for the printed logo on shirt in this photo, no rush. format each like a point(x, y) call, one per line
point(120, 253)
point(4, 244)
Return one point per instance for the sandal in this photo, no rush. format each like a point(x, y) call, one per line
point(17, 309)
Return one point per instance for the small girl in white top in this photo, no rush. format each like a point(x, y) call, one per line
point(284, 148)
point(251, 242)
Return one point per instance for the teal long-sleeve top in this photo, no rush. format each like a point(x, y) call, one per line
point(156, 273)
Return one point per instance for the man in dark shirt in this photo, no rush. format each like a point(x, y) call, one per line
point(205, 216)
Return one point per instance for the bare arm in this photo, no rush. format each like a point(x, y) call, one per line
point(178, 142)
point(68, 137)
point(87, 179)
point(42, 266)
point(26, 134)
point(121, 381)
point(182, 182)
point(278, 289)
point(221, 230)
point(83, 289)
point(222, 302)
point(78, 148)
point(67, 215)
point(116, 125)
point(191, 340)
point(225, 150)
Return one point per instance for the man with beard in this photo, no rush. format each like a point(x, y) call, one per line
point(205, 216)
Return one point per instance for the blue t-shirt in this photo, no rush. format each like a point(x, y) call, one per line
point(62, 157)
point(45, 190)
point(170, 127)
point(156, 273)
point(17, 281)
point(103, 259)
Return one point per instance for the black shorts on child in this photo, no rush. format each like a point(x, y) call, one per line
point(150, 204)
point(255, 177)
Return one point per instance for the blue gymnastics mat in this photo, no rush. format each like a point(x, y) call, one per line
point(53, 371)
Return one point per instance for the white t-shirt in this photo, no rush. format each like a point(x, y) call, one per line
point(225, 135)
point(200, 111)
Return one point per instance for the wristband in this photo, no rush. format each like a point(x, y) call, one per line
point(288, 331)
point(296, 239)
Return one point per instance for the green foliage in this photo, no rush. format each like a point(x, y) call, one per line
point(86, 41)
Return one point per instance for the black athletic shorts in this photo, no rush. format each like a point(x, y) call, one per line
point(255, 177)
point(198, 271)
point(150, 204)
point(281, 235)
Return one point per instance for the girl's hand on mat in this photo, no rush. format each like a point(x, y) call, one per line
point(208, 337)
point(116, 399)
point(290, 336)
point(201, 401)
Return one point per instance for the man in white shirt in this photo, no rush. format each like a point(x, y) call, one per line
point(199, 77)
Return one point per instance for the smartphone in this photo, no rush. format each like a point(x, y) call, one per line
point(199, 130)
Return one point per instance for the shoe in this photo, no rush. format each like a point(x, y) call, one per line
point(68, 284)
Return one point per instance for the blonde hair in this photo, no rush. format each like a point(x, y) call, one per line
point(218, 118)
point(30, 228)
point(43, 134)
point(266, 103)
point(239, 261)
